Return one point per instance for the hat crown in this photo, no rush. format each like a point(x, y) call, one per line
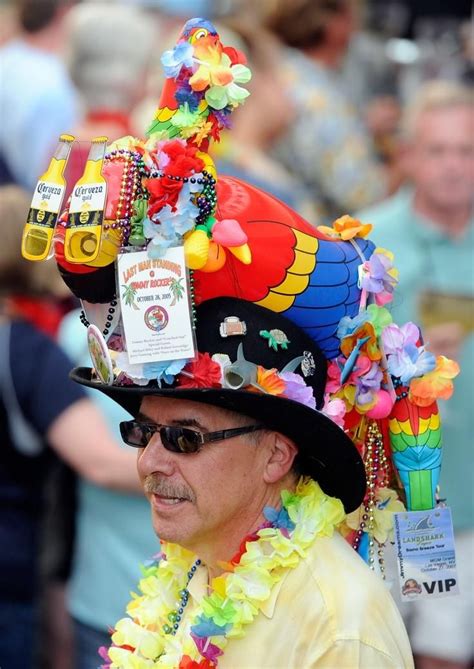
point(258, 337)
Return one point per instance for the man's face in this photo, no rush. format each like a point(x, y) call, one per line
point(196, 497)
point(441, 160)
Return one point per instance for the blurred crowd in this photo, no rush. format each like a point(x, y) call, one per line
point(364, 108)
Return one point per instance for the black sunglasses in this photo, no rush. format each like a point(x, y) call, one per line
point(174, 438)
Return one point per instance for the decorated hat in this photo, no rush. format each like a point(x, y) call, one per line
point(200, 286)
point(258, 363)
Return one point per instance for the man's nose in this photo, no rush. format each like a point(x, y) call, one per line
point(155, 458)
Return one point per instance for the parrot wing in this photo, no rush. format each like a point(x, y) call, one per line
point(295, 269)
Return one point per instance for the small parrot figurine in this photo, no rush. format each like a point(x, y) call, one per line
point(415, 439)
point(185, 90)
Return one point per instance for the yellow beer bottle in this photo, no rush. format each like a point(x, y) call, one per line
point(46, 204)
point(83, 234)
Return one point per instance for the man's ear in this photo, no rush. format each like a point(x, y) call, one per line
point(281, 455)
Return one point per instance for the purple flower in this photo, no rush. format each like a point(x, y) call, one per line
point(368, 384)
point(223, 118)
point(410, 362)
point(103, 651)
point(395, 338)
point(208, 650)
point(297, 390)
point(378, 276)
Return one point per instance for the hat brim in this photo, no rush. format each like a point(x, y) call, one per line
point(326, 453)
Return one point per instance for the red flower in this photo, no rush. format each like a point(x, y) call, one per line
point(183, 160)
point(243, 547)
point(201, 373)
point(162, 191)
point(188, 663)
point(236, 56)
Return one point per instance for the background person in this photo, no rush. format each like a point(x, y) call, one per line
point(429, 226)
point(38, 102)
point(39, 406)
point(113, 534)
point(326, 145)
point(109, 52)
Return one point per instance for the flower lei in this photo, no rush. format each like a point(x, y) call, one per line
point(236, 597)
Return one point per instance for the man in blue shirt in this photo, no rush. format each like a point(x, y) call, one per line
point(429, 227)
point(37, 99)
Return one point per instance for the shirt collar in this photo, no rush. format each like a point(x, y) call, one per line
point(428, 231)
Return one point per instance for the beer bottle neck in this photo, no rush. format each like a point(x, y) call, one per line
point(56, 167)
point(93, 168)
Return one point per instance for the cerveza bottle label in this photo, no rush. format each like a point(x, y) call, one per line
point(46, 203)
point(87, 204)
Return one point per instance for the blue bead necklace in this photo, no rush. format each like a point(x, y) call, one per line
point(176, 615)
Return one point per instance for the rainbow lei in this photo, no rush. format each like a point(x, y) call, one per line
point(236, 597)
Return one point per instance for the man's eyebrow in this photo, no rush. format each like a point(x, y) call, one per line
point(142, 418)
point(181, 422)
point(188, 422)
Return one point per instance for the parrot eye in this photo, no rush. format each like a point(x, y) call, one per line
point(199, 34)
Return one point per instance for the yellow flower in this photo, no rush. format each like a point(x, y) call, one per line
point(124, 659)
point(386, 504)
point(130, 634)
point(346, 227)
point(249, 583)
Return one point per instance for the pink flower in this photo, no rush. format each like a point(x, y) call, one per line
point(334, 409)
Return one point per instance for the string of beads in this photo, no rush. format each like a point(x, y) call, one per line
point(377, 468)
point(176, 615)
point(109, 319)
point(134, 170)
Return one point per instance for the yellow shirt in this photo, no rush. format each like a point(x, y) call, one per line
point(329, 612)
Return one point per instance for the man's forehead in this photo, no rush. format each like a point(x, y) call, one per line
point(176, 409)
point(457, 118)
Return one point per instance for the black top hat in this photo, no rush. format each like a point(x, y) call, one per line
point(248, 333)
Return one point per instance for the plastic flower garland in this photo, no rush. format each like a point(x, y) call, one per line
point(219, 372)
point(236, 597)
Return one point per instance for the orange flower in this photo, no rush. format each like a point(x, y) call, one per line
point(211, 71)
point(269, 380)
point(346, 227)
point(436, 384)
point(370, 348)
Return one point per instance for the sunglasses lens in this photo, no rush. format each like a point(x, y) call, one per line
point(135, 434)
point(180, 439)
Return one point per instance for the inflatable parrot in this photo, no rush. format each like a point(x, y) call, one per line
point(163, 192)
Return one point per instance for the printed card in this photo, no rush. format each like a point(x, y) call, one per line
point(425, 554)
point(155, 306)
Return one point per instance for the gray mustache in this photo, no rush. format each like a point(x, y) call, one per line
point(154, 485)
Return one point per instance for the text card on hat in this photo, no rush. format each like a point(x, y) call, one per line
point(156, 307)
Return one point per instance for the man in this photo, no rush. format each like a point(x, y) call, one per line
point(251, 572)
point(429, 227)
point(326, 146)
point(37, 99)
